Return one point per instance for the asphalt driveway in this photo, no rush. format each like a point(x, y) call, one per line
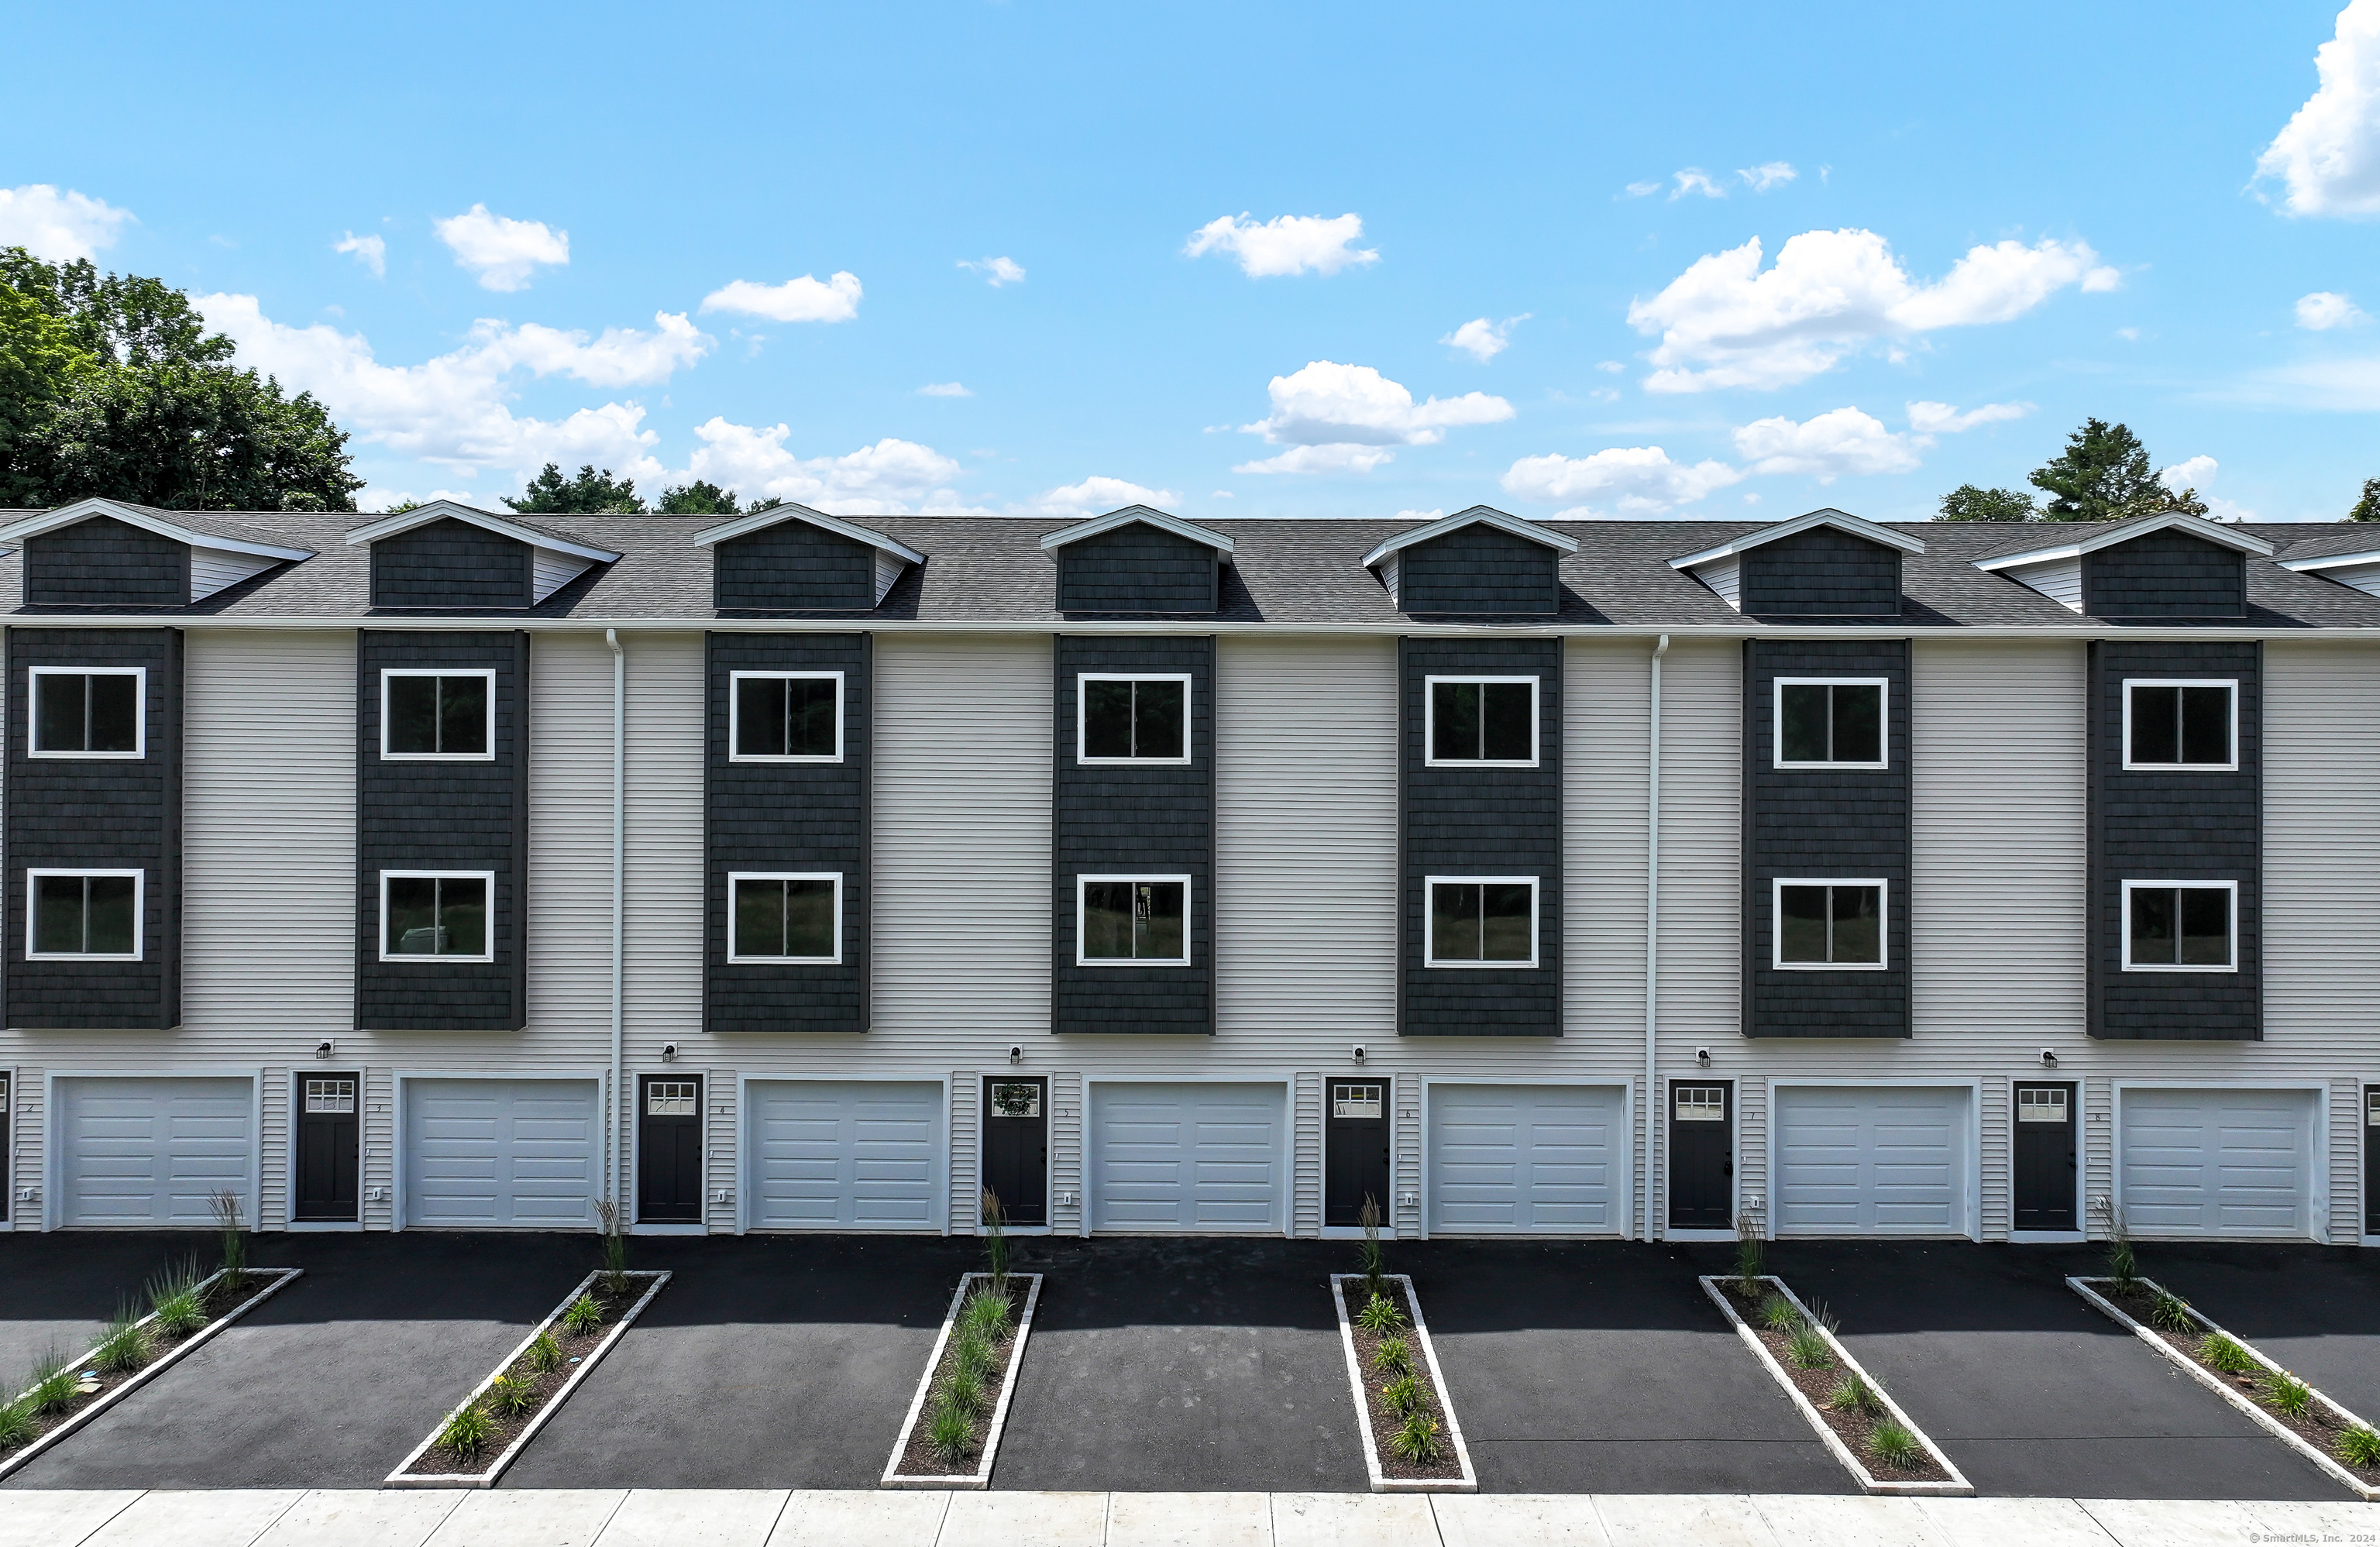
point(2315, 1309)
point(57, 1290)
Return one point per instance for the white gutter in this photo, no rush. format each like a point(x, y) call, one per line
point(619, 918)
point(1652, 921)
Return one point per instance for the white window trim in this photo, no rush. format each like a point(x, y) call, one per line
point(1429, 723)
point(2231, 682)
point(1776, 717)
point(1188, 896)
point(735, 719)
point(139, 674)
point(1082, 715)
point(387, 876)
point(140, 915)
point(1429, 884)
point(2231, 925)
point(1776, 922)
point(388, 756)
point(736, 877)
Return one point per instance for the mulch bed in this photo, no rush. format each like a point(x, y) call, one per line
point(2318, 1426)
point(919, 1459)
point(221, 1296)
point(439, 1461)
point(1384, 1422)
point(1852, 1427)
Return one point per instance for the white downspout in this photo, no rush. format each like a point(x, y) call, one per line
point(619, 916)
point(1652, 924)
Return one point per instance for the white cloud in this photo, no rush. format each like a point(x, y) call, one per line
point(1639, 191)
point(1621, 481)
point(996, 271)
point(2326, 308)
point(1284, 245)
point(454, 410)
point(2195, 472)
point(1343, 419)
point(371, 251)
point(55, 226)
point(2103, 279)
point(943, 389)
point(891, 477)
point(503, 252)
point(1095, 496)
point(1483, 340)
point(1768, 174)
point(1614, 367)
point(1419, 516)
point(1727, 322)
point(1694, 179)
point(1941, 418)
point(2329, 154)
point(796, 300)
point(1844, 441)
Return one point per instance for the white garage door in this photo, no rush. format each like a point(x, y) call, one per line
point(1871, 1160)
point(152, 1152)
point(485, 1153)
point(1525, 1157)
point(1206, 1159)
point(857, 1154)
point(2218, 1163)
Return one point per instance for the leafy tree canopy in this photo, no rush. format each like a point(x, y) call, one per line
point(587, 494)
point(697, 498)
point(2103, 475)
point(121, 318)
point(2367, 508)
point(1967, 503)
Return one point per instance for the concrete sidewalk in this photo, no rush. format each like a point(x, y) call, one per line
point(763, 1518)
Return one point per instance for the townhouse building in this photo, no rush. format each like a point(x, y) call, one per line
point(789, 871)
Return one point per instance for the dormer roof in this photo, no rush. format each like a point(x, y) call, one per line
point(194, 527)
point(1099, 525)
point(1484, 515)
point(2036, 551)
point(757, 520)
point(1843, 521)
point(520, 531)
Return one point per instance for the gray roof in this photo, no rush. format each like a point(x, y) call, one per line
point(993, 571)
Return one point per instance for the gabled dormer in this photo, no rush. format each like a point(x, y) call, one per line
point(109, 555)
point(1828, 564)
point(2154, 566)
point(2348, 558)
point(793, 559)
point(1139, 560)
point(457, 559)
point(1478, 561)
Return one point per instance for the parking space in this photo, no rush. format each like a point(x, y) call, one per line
point(1585, 1366)
point(57, 1290)
point(2029, 1389)
point(2309, 1306)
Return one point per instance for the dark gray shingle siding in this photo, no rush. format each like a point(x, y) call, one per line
point(2165, 574)
point(1479, 570)
point(1137, 568)
point(452, 566)
point(792, 567)
point(1824, 571)
point(106, 564)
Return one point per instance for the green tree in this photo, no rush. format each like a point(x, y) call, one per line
point(1968, 503)
point(588, 493)
point(2103, 475)
point(2367, 508)
point(697, 498)
point(121, 318)
point(38, 367)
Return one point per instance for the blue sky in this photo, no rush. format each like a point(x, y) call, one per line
point(734, 242)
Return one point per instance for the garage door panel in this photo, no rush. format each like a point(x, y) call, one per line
point(2218, 1163)
point(844, 1155)
point(499, 1153)
point(1187, 1156)
point(1856, 1161)
point(151, 1151)
point(1508, 1158)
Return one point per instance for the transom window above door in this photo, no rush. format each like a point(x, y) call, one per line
point(88, 712)
point(430, 716)
point(337, 1096)
point(1132, 720)
point(1828, 924)
point(785, 917)
point(1015, 1098)
point(2180, 927)
point(2041, 1103)
point(1131, 921)
point(1481, 722)
point(784, 716)
point(1481, 921)
point(1831, 722)
point(2182, 723)
point(672, 1098)
point(1702, 1104)
point(435, 915)
point(1356, 1101)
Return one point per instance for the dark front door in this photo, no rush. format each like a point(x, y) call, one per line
point(1702, 1155)
point(330, 1146)
point(1016, 1147)
point(2371, 1159)
point(2044, 1158)
point(1355, 1151)
point(669, 1149)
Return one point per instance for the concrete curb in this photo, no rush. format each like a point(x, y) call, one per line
point(405, 1477)
point(1381, 1483)
point(1957, 1487)
point(981, 1476)
point(285, 1278)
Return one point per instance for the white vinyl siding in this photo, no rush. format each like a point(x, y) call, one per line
point(152, 1150)
point(2059, 579)
point(1873, 1160)
point(2217, 1163)
point(219, 569)
point(555, 569)
point(494, 1154)
point(843, 1155)
point(1725, 577)
point(1528, 1158)
point(1208, 1159)
point(889, 566)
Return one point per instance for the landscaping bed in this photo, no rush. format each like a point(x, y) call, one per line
point(1861, 1424)
point(1412, 1443)
point(474, 1441)
point(185, 1309)
point(952, 1433)
point(2335, 1439)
